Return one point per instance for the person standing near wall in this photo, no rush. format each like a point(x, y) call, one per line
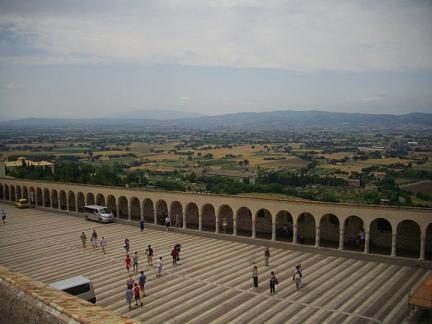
point(167, 222)
point(141, 224)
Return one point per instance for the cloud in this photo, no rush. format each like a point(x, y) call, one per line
point(342, 35)
point(10, 86)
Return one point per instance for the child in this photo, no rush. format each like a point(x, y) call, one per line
point(128, 262)
point(137, 295)
point(273, 283)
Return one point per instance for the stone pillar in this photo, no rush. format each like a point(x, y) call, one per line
point(294, 233)
point(76, 204)
point(129, 211)
point(422, 246)
point(393, 246)
point(58, 201)
point(43, 198)
point(118, 210)
point(67, 203)
point(235, 226)
point(217, 225)
point(199, 221)
point(341, 237)
point(274, 231)
point(366, 247)
point(155, 217)
point(253, 229)
point(184, 218)
point(317, 236)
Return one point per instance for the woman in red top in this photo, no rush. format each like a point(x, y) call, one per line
point(128, 262)
point(174, 254)
point(137, 296)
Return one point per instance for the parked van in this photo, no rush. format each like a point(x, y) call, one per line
point(100, 214)
point(77, 286)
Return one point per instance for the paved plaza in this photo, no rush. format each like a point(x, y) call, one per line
point(212, 282)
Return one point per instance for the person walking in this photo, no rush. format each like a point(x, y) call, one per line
point(103, 244)
point(141, 224)
point(135, 262)
point(126, 245)
point(361, 237)
point(167, 222)
point(224, 225)
point(129, 295)
point(128, 262)
point(94, 239)
point(149, 253)
point(297, 276)
point(130, 282)
point(137, 295)
point(255, 276)
point(266, 257)
point(142, 279)
point(177, 246)
point(159, 266)
point(83, 238)
point(174, 254)
point(273, 283)
point(3, 216)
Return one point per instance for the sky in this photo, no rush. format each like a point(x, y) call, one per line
point(75, 58)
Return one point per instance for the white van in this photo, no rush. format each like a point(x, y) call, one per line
point(77, 286)
point(100, 214)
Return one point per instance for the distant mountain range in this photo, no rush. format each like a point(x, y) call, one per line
point(276, 120)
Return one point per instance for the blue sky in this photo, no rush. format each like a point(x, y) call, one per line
point(96, 58)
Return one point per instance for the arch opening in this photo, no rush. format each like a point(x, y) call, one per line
point(90, 199)
point(1, 191)
point(263, 224)
point(123, 207)
point(208, 217)
point(32, 196)
point(63, 200)
point(18, 192)
point(161, 211)
point(12, 193)
point(100, 200)
point(244, 222)
point(353, 226)
point(176, 214)
point(408, 239)
point(380, 236)
point(428, 242)
point(306, 229)
point(111, 203)
point(39, 197)
point(54, 199)
point(226, 216)
point(192, 216)
point(47, 198)
point(80, 202)
point(25, 193)
point(71, 199)
point(148, 211)
point(284, 226)
point(6, 193)
point(135, 209)
point(329, 231)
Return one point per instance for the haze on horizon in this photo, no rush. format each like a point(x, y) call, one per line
point(103, 57)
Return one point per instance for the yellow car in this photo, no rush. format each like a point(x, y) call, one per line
point(22, 203)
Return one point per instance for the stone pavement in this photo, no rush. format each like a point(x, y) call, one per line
point(212, 282)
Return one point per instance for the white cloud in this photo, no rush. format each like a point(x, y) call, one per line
point(296, 35)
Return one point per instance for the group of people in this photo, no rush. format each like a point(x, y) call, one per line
point(135, 289)
point(94, 241)
point(297, 275)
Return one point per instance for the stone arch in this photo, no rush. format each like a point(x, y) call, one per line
point(352, 227)
point(408, 239)
point(1, 191)
point(71, 200)
point(25, 194)
point(18, 192)
point(135, 208)
point(161, 211)
point(90, 199)
point(123, 208)
point(380, 236)
point(244, 221)
point(428, 242)
point(208, 218)
point(12, 193)
point(7, 192)
point(263, 224)
point(148, 210)
point(100, 200)
point(111, 203)
point(284, 226)
point(47, 198)
point(329, 231)
point(226, 212)
point(176, 211)
point(63, 200)
point(192, 216)
point(54, 199)
point(32, 196)
point(39, 197)
point(80, 202)
point(306, 229)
